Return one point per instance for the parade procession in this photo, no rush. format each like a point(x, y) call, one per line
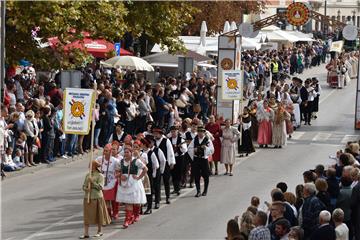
point(180, 120)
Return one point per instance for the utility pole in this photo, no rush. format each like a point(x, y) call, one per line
point(2, 46)
point(324, 24)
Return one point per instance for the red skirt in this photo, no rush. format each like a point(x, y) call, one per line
point(110, 195)
point(264, 133)
point(217, 150)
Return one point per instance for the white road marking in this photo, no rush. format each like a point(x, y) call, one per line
point(327, 144)
point(324, 98)
point(297, 135)
point(53, 225)
point(349, 138)
point(58, 232)
point(321, 137)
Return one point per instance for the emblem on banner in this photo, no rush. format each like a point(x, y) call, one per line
point(77, 109)
point(297, 14)
point(227, 64)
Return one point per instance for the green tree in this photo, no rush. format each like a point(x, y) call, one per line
point(162, 22)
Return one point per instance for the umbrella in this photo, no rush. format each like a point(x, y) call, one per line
point(96, 47)
point(130, 62)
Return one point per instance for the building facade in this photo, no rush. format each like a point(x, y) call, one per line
point(347, 11)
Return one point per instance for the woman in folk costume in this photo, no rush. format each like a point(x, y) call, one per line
point(279, 126)
point(131, 190)
point(95, 210)
point(245, 144)
point(215, 129)
point(140, 154)
point(108, 165)
point(264, 116)
point(288, 105)
point(254, 122)
point(230, 135)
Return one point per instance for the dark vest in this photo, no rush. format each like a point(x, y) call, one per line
point(199, 152)
point(149, 165)
point(115, 137)
point(133, 168)
point(177, 147)
point(188, 136)
point(163, 147)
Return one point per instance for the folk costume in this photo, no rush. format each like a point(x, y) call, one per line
point(180, 148)
point(153, 169)
point(200, 149)
point(131, 190)
point(215, 130)
point(108, 169)
point(230, 136)
point(245, 145)
point(156, 175)
point(279, 127)
point(95, 211)
point(189, 136)
point(264, 116)
point(165, 145)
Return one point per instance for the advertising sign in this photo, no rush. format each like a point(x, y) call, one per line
point(78, 104)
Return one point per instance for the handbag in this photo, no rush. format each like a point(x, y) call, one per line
point(179, 103)
point(196, 108)
point(34, 149)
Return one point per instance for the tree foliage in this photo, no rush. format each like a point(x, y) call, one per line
point(162, 22)
point(215, 13)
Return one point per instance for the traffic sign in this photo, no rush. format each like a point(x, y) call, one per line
point(117, 48)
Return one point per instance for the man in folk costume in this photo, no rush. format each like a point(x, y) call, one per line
point(118, 134)
point(200, 149)
point(189, 136)
point(157, 175)
point(153, 166)
point(108, 168)
point(180, 149)
point(165, 145)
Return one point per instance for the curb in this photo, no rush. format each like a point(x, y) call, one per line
point(59, 161)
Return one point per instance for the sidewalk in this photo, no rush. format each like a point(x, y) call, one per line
point(59, 161)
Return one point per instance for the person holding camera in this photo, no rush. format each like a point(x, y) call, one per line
point(200, 149)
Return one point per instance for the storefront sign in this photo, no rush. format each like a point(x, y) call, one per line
point(78, 104)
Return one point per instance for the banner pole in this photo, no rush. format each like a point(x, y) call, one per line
point(92, 137)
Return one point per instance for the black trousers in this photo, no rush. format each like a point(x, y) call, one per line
point(201, 169)
point(149, 198)
point(176, 173)
point(156, 189)
point(166, 178)
point(308, 111)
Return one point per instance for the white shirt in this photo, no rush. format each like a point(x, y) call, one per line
point(108, 169)
point(154, 161)
point(183, 147)
point(161, 158)
point(208, 151)
point(170, 158)
point(342, 232)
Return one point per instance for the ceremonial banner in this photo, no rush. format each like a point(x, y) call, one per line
point(231, 85)
point(78, 104)
point(337, 46)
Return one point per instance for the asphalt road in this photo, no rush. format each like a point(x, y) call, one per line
point(47, 204)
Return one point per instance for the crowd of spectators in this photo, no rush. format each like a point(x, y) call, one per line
point(326, 206)
point(32, 109)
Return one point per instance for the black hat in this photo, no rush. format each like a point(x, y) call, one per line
point(150, 138)
point(120, 123)
point(149, 123)
point(158, 130)
point(172, 128)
